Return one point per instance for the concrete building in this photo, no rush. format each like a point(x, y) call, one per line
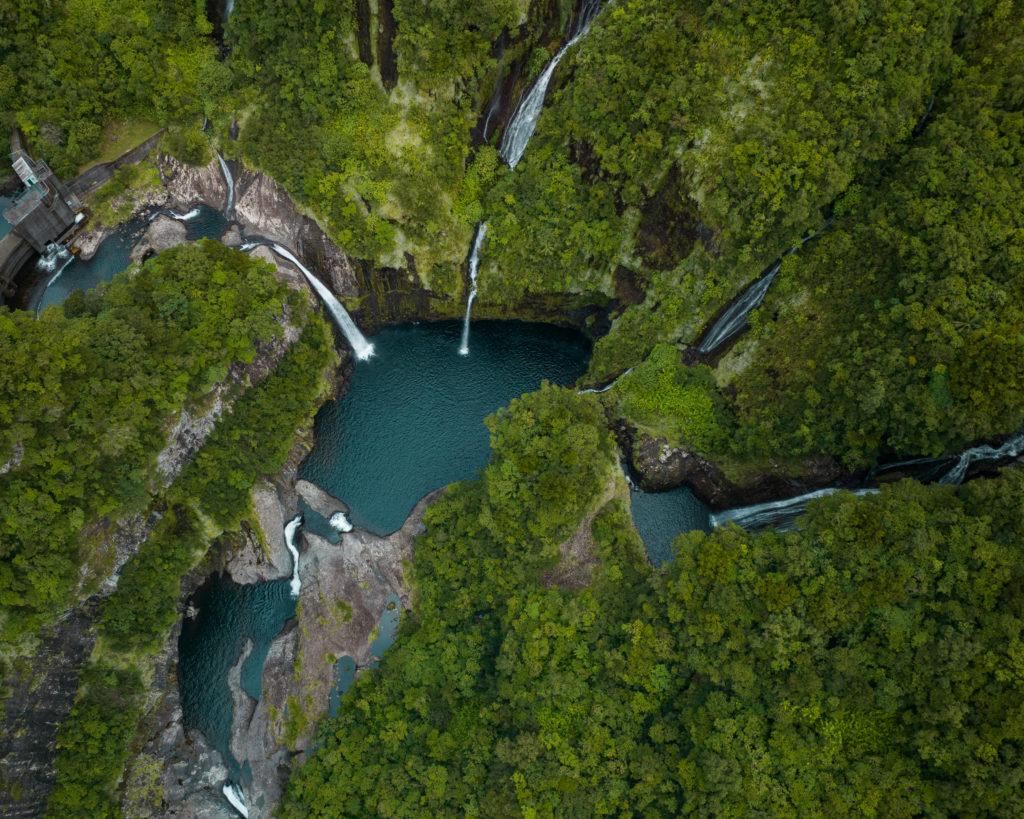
point(46, 210)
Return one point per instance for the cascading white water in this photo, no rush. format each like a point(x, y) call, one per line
point(606, 387)
point(474, 266)
point(340, 522)
point(734, 318)
point(233, 793)
point(524, 120)
point(1009, 449)
point(362, 348)
point(185, 217)
point(56, 256)
point(290, 530)
point(228, 8)
point(778, 514)
point(229, 180)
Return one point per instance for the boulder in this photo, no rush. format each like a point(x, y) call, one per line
point(163, 233)
point(321, 502)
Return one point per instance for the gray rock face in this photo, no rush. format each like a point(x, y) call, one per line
point(264, 208)
point(42, 691)
point(253, 563)
point(285, 272)
point(162, 233)
point(194, 425)
point(188, 185)
point(321, 502)
point(345, 590)
point(232, 237)
point(660, 467)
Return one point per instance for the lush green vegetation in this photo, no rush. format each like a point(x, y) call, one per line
point(85, 398)
point(863, 664)
point(253, 440)
point(665, 397)
point(900, 331)
point(69, 68)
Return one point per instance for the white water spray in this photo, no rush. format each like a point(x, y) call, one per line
point(363, 348)
point(229, 180)
point(524, 121)
point(778, 514)
point(1009, 449)
point(340, 522)
point(233, 793)
point(290, 530)
point(474, 267)
point(735, 318)
point(606, 387)
point(185, 217)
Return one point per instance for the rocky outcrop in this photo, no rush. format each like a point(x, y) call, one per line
point(323, 503)
point(188, 185)
point(88, 241)
point(658, 467)
point(346, 588)
point(263, 554)
point(264, 208)
point(41, 692)
point(163, 233)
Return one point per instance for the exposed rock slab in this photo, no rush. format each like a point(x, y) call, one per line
point(345, 590)
point(42, 691)
point(264, 208)
point(267, 558)
point(188, 185)
point(321, 502)
point(659, 467)
point(162, 234)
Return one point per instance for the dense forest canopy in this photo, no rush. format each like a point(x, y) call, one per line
point(867, 662)
point(85, 397)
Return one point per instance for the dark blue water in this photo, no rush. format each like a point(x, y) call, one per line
point(412, 420)
point(211, 644)
point(5, 228)
point(112, 256)
point(660, 517)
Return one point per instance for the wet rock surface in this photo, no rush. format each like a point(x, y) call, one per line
point(321, 502)
point(42, 690)
point(345, 590)
point(163, 233)
point(659, 467)
point(188, 185)
point(264, 208)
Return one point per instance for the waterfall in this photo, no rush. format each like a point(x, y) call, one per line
point(56, 256)
point(606, 387)
point(229, 180)
point(1009, 449)
point(340, 523)
point(233, 793)
point(524, 120)
point(289, 538)
point(363, 349)
point(184, 217)
point(735, 317)
point(228, 8)
point(778, 514)
point(474, 266)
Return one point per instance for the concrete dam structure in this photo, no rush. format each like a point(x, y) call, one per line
point(44, 214)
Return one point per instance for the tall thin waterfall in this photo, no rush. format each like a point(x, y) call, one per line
point(474, 266)
point(735, 317)
point(290, 530)
point(1009, 449)
point(777, 514)
point(362, 348)
point(229, 180)
point(228, 8)
point(233, 793)
point(524, 121)
point(606, 387)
